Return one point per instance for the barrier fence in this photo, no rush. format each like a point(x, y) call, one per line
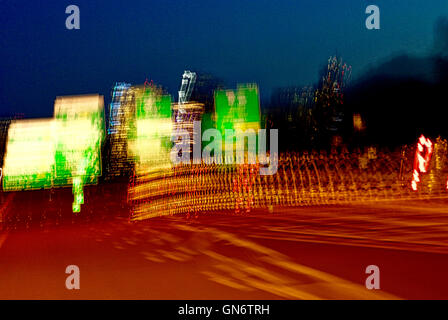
point(302, 179)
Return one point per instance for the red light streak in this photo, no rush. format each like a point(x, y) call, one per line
point(422, 158)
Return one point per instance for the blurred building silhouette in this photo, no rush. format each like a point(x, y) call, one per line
point(329, 109)
point(122, 110)
point(204, 90)
point(4, 125)
point(185, 113)
point(291, 109)
point(191, 112)
point(312, 116)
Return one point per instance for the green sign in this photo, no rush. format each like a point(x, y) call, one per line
point(62, 151)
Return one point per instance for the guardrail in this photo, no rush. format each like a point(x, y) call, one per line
point(302, 179)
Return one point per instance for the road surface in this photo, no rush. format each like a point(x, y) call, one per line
point(316, 252)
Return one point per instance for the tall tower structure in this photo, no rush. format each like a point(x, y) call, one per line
point(185, 113)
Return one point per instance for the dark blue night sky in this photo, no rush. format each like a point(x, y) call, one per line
point(273, 43)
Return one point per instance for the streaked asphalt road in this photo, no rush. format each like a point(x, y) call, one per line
point(291, 253)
